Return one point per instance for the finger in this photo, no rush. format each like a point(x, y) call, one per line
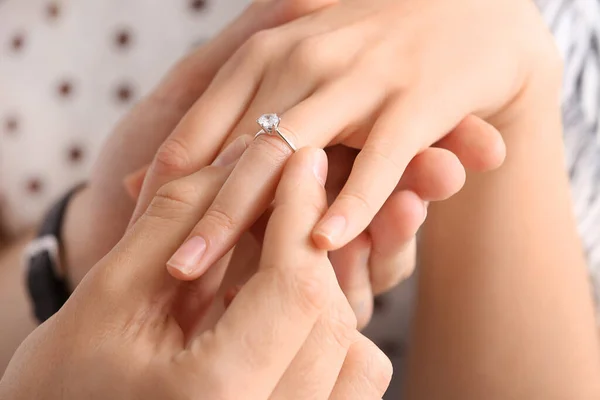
point(401, 132)
point(351, 266)
point(163, 109)
point(193, 144)
point(478, 145)
point(434, 175)
point(365, 375)
point(391, 233)
point(191, 249)
point(258, 171)
point(242, 265)
point(134, 181)
point(272, 316)
point(146, 248)
point(314, 371)
point(393, 230)
point(202, 132)
point(308, 64)
point(246, 181)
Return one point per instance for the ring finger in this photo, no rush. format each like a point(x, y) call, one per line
point(258, 171)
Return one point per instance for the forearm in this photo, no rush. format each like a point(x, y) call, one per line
point(16, 320)
point(504, 307)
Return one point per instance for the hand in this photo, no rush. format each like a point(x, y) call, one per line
point(379, 258)
point(386, 52)
point(289, 334)
point(98, 215)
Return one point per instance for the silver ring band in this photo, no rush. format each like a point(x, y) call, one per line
point(270, 124)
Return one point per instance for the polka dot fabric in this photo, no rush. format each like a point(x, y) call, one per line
point(69, 69)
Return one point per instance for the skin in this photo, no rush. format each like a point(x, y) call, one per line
point(508, 241)
point(236, 95)
point(383, 256)
point(504, 302)
point(98, 215)
point(383, 50)
point(130, 346)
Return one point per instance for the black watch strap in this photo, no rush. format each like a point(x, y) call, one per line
point(47, 285)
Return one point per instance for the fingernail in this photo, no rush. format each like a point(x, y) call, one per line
point(188, 255)
point(332, 228)
point(320, 166)
point(231, 153)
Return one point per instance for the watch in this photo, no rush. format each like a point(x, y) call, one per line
point(47, 282)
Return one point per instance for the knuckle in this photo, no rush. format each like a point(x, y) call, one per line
point(172, 158)
point(309, 285)
point(376, 368)
point(172, 200)
point(357, 199)
point(381, 370)
point(343, 324)
point(377, 155)
point(311, 57)
point(180, 191)
point(375, 64)
point(260, 45)
point(220, 218)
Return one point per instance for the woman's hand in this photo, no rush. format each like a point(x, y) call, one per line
point(289, 334)
point(391, 77)
point(98, 216)
point(379, 258)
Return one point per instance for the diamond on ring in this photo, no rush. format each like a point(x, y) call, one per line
point(270, 126)
point(269, 122)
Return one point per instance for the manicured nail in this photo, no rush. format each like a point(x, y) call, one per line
point(231, 153)
point(320, 166)
point(188, 255)
point(332, 229)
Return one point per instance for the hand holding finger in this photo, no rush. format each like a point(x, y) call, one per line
point(292, 271)
point(185, 150)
